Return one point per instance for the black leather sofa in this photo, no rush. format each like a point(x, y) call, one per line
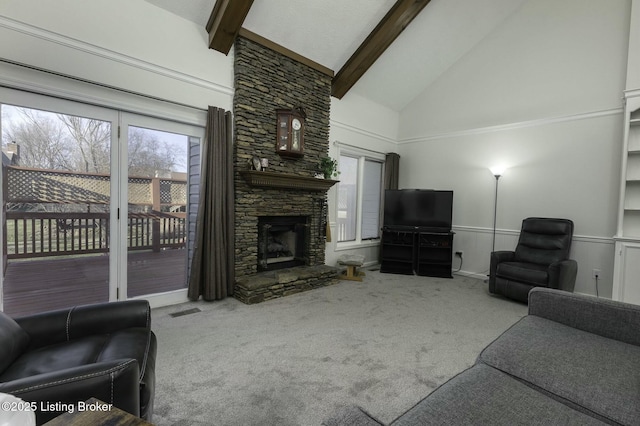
point(541, 259)
point(106, 351)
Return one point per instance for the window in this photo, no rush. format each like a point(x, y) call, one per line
point(347, 198)
point(371, 190)
point(359, 197)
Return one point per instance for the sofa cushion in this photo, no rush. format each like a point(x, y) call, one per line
point(529, 273)
point(483, 395)
point(129, 343)
point(13, 340)
point(594, 374)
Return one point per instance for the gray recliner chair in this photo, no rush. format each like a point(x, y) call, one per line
point(541, 259)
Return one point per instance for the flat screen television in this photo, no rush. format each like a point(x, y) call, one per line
point(424, 208)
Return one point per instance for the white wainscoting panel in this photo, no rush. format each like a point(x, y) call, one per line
point(590, 253)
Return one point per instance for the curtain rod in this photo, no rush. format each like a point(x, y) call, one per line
point(94, 83)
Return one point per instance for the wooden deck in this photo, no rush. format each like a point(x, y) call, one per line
point(45, 284)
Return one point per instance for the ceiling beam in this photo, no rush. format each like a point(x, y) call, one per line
point(225, 21)
point(389, 28)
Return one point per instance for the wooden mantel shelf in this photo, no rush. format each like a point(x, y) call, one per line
point(286, 181)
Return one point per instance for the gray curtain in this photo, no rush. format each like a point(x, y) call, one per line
point(391, 170)
point(212, 267)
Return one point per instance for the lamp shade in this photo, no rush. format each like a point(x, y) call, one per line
point(497, 170)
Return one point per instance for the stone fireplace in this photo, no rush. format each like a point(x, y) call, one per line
point(280, 212)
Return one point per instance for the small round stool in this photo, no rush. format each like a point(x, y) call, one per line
point(352, 262)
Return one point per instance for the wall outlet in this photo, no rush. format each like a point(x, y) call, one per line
point(459, 253)
point(597, 274)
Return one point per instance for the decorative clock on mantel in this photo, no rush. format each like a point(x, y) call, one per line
point(290, 132)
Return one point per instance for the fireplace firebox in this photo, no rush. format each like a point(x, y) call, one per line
point(282, 242)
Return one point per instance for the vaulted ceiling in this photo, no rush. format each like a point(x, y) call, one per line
point(330, 32)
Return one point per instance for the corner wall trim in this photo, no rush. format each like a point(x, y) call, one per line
point(363, 132)
point(512, 126)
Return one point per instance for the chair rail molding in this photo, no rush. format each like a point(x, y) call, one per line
point(516, 233)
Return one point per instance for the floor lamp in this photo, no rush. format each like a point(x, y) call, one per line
point(497, 172)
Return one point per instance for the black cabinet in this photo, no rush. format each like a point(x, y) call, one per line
point(434, 254)
point(398, 252)
point(408, 251)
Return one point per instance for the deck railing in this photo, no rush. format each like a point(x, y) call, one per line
point(36, 234)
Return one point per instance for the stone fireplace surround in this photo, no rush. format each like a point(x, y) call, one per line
point(265, 81)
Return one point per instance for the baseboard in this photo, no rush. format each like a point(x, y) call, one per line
point(374, 266)
point(474, 275)
point(371, 266)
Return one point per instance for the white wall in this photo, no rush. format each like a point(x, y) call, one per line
point(540, 95)
point(128, 44)
point(555, 169)
point(549, 59)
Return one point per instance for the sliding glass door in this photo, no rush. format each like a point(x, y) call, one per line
point(94, 204)
point(158, 186)
point(57, 203)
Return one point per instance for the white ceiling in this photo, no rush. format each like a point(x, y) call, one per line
point(329, 31)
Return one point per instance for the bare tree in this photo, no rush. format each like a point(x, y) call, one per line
point(65, 142)
point(44, 143)
point(149, 156)
point(92, 140)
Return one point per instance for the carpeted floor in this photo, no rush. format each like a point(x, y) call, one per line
point(384, 344)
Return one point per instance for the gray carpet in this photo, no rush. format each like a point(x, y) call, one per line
point(384, 344)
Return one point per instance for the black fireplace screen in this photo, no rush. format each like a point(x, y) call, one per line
point(282, 242)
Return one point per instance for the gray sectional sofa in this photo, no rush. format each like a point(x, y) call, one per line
point(573, 360)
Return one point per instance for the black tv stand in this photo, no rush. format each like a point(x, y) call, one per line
point(423, 251)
